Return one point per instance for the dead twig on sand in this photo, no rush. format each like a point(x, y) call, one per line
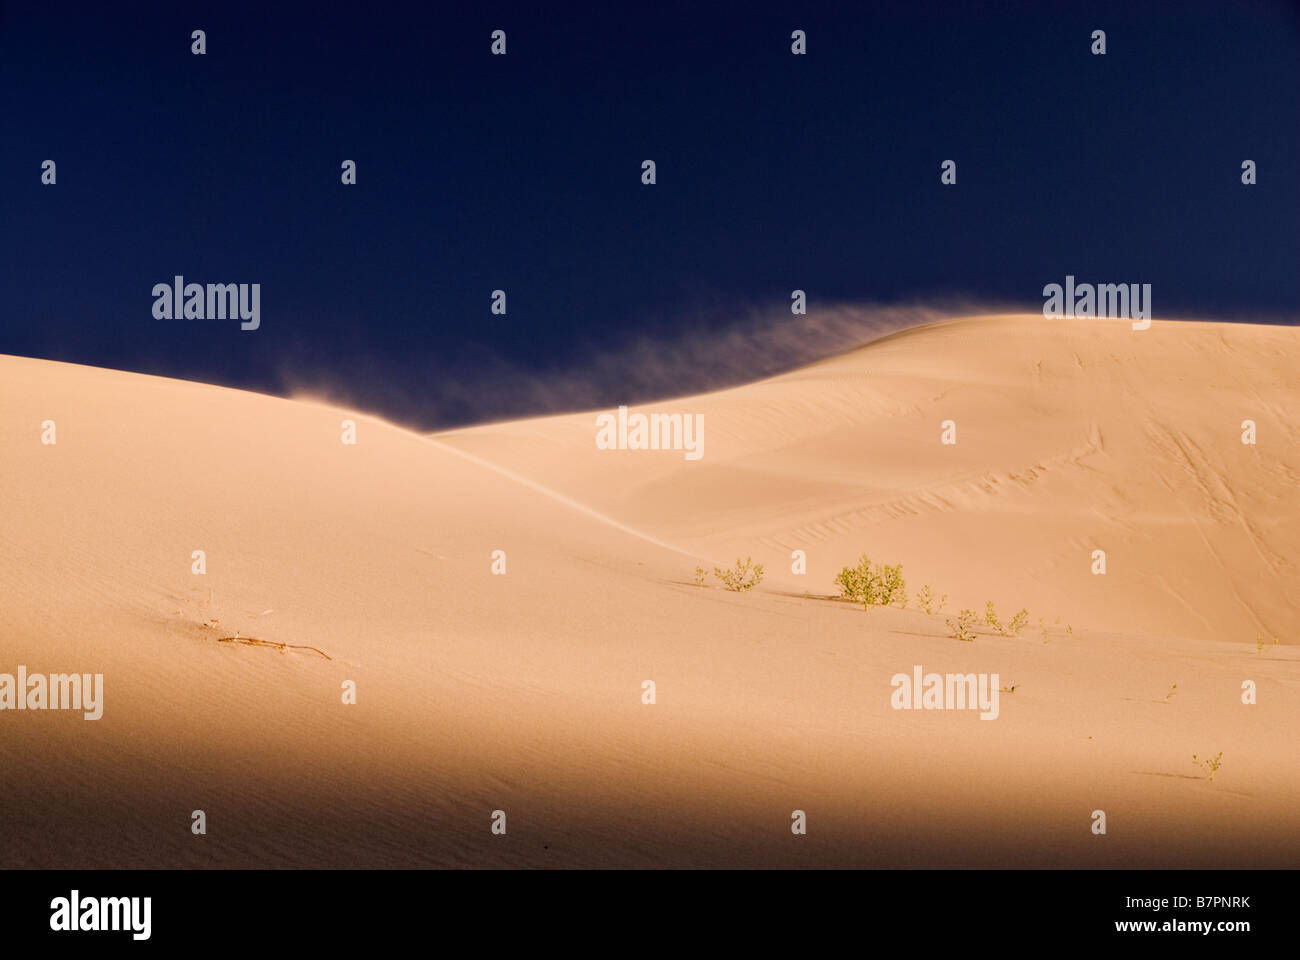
point(282, 647)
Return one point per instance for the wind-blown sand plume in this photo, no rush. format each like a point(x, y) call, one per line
point(522, 692)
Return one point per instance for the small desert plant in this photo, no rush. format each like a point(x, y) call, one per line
point(1259, 643)
point(745, 576)
point(872, 584)
point(891, 587)
point(700, 574)
point(1018, 623)
point(1011, 629)
point(927, 602)
point(1010, 688)
point(963, 627)
point(991, 616)
point(853, 581)
point(1042, 627)
point(1210, 766)
point(1169, 696)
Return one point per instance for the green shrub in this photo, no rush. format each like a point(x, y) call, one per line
point(963, 628)
point(1018, 623)
point(891, 587)
point(855, 582)
point(1011, 629)
point(872, 584)
point(927, 602)
point(745, 576)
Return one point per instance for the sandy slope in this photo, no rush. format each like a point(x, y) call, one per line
point(522, 692)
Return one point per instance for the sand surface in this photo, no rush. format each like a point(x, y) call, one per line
point(479, 692)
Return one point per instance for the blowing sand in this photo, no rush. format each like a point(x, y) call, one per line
point(523, 692)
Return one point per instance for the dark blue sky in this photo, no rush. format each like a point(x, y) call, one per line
point(522, 172)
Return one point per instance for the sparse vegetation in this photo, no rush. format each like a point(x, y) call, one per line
point(700, 574)
point(963, 627)
point(1044, 628)
point(1011, 629)
point(1209, 766)
point(745, 576)
point(1259, 642)
point(872, 584)
point(1010, 688)
point(927, 602)
point(1170, 694)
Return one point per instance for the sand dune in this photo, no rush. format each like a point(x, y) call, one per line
point(1072, 436)
point(478, 692)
